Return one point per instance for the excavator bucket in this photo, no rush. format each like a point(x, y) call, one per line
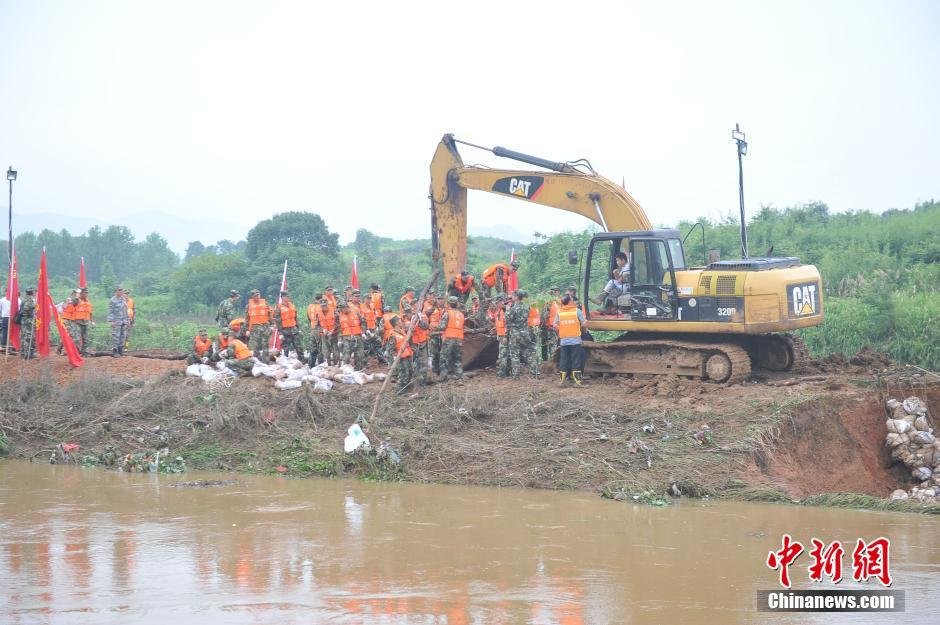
point(479, 351)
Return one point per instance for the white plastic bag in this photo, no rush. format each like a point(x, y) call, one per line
point(355, 438)
point(322, 385)
point(285, 385)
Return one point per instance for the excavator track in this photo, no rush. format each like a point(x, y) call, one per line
point(722, 363)
point(776, 352)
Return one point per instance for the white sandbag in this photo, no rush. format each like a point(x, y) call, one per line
point(923, 438)
point(378, 377)
point(296, 374)
point(892, 404)
point(898, 426)
point(285, 385)
point(899, 495)
point(281, 360)
point(197, 371)
point(347, 369)
point(225, 371)
point(322, 385)
point(922, 474)
point(914, 406)
point(211, 376)
point(893, 439)
point(355, 438)
point(359, 377)
point(257, 370)
point(920, 423)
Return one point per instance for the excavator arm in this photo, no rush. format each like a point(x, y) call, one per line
point(564, 187)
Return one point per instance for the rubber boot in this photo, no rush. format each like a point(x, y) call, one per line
point(576, 376)
point(564, 376)
point(114, 353)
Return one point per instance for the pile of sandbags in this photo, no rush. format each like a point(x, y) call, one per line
point(210, 374)
point(913, 443)
point(289, 373)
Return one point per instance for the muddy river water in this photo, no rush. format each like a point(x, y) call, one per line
point(91, 546)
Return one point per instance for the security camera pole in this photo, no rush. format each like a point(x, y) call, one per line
point(738, 136)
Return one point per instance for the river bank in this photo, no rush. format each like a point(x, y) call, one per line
point(777, 438)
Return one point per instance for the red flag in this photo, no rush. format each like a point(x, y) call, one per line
point(354, 277)
point(276, 336)
point(13, 293)
point(513, 276)
point(82, 281)
point(43, 302)
point(75, 359)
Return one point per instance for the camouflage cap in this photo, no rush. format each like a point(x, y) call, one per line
point(223, 331)
point(348, 287)
point(83, 290)
point(554, 289)
point(356, 292)
point(409, 288)
point(324, 302)
point(520, 294)
point(255, 292)
point(514, 263)
point(203, 331)
point(343, 305)
point(572, 288)
point(386, 309)
point(375, 287)
point(30, 290)
point(452, 299)
point(233, 293)
point(329, 287)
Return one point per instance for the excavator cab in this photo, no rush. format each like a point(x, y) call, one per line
point(648, 290)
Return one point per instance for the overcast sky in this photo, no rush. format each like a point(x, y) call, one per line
point(236, 111)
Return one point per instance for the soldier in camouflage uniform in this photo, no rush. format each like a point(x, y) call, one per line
point(521, 344)
point(119, 320)
point(452, 323)
point(353, 348)
point(258, 314)
point(285, 320)
point(420, 358)
point(226, 310)
point(549, 312)
point(502, 360)
point(405, 368)
point(27, 321)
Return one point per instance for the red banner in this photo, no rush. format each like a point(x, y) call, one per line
point(354, 277)
point(75, 359)
point(13, 293)
point(43, 302)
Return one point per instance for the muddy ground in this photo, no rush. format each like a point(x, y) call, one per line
point(796, 435)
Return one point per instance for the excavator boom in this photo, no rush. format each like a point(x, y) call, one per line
point(564, 187)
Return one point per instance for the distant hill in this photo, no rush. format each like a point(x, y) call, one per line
point(178, 232)
point(501, 231)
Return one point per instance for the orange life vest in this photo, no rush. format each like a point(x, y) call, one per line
point(259, 313)
point(366, 310)
point(241, 350)
point(68, 311)
point(402, 348)
point(386, 328)
point(130, 308)
point(434, 319)
point(83, 310)
point(463, 286)
point(349, 323)
point(553, 309)
point(500, 322)
point(535, 319)
point(489, 276)
point(405, 299)
point(454, 329)
point(326, 321)
point(419, 335)
point(312, 310)
point(235, 325)
point(288, 315)
point(568, 325)
point(377, 303)
point(201, 345)
point(222, 341)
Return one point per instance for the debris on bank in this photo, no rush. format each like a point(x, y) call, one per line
point(287, 373)
point(914, 444)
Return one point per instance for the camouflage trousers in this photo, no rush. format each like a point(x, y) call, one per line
point(314, 348)
point(329, 351)
point(127, 335)
point(522, 347)
point(452, 358)
point(420, 362)
point(241, 367)
point(27, 337)
point(403, 372)
point(373, 345)
point(551, 339)
point(259, 340)
point(502, 360)
point(81, 335)
point(290, 340)
point(354, 348)
point(193, 359)
point(118, 335)
point(434, 344)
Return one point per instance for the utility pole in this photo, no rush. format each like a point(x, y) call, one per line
point(11, 176)
point(738, 137)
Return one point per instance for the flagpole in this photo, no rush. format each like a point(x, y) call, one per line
point(6, 349)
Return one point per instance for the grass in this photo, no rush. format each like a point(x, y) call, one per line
point(856, 501)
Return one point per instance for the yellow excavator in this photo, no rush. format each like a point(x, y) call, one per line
point(715, 322)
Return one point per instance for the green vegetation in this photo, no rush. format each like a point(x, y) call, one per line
point(881, 272)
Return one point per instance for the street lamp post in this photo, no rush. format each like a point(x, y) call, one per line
point(11, 176)
point(738, 137)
